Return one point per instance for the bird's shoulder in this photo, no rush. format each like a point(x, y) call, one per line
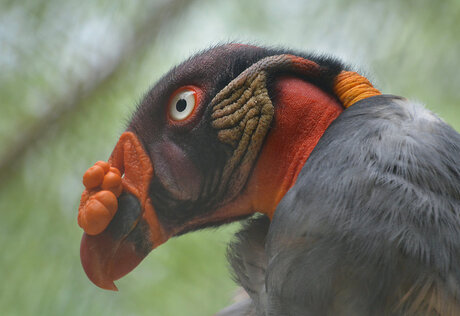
point(376, 204)
point(387, 167)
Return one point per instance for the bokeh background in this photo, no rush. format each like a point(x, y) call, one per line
point(71, 72)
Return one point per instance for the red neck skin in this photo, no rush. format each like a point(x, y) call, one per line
point(302, 114)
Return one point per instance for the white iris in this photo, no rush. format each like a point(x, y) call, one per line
point(182, 105)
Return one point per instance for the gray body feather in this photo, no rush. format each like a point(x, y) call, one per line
point(371, 227)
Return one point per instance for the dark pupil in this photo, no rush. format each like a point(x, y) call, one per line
point(181, 105)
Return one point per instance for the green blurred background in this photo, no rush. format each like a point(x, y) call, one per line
point(71, 72)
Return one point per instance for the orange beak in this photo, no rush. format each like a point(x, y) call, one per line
point(117, 238)
point(105, 259)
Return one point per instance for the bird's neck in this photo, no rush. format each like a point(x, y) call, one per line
point(303, 112)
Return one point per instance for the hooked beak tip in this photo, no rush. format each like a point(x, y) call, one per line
point(94, 266)
point(106, 260)
point(109, 286)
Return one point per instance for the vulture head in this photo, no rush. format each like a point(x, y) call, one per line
point(220, 137)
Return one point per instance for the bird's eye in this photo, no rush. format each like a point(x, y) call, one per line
point(183, 103)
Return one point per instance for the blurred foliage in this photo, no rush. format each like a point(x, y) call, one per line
point(56, 54)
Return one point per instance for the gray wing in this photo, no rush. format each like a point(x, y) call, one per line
point(372, 225)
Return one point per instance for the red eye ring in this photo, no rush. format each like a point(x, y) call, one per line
point(183, 104)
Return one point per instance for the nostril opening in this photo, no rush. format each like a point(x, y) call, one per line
point(126, 217)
